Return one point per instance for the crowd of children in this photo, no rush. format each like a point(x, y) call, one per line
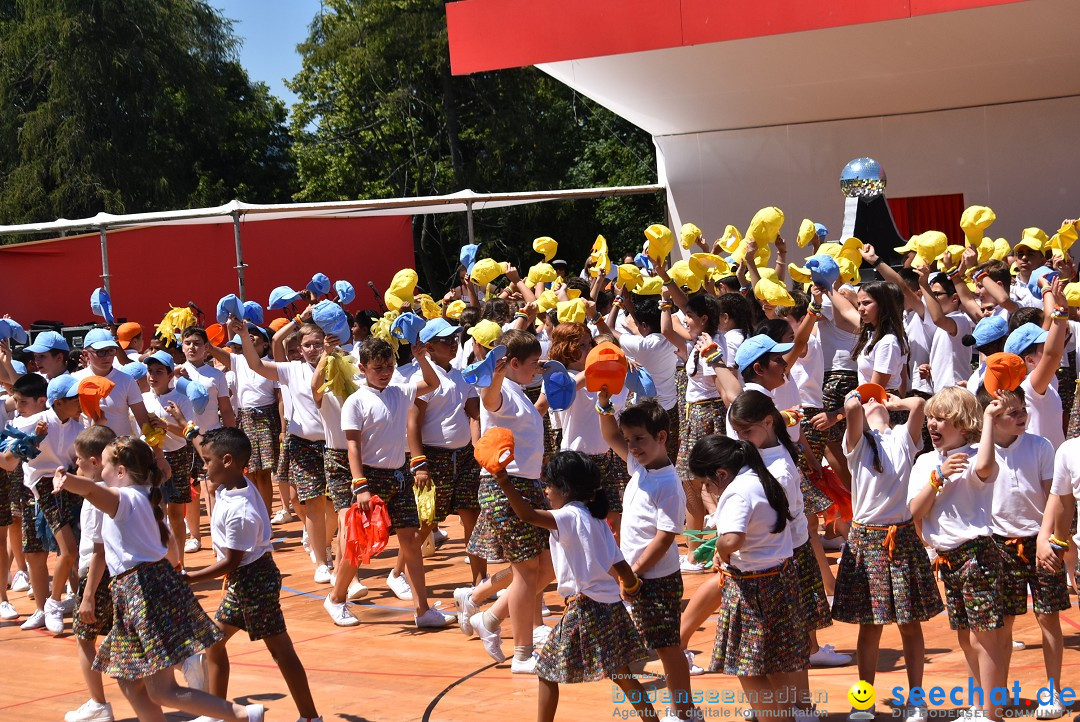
point(584, 428)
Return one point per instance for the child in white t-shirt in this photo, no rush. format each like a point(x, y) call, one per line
point(950, 359)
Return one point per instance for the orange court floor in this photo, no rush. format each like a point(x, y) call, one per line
point(386, 670)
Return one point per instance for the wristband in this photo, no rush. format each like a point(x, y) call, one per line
point(521, 314)
point(191, 431)
point(1059, 313)
point(596, 320)
point(633, 589)
point(297, 320)
point(745, 289)
point(359, 484)
point(670, 282)
point(608, 410)
point(617, 303)
point(1058, 543)
point(417, 460)
point(422, 466)
point(713, 359)
point(666, 306)
point(953, 274)
point(937, 480)
point(979, 273)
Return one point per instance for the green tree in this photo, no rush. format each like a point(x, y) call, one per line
point(131, 105)
point(380, 115)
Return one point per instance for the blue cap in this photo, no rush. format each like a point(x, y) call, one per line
point(134, 369)
point(229, 306)
point(48, 341)
point(195, 392)
point(1023, 338)
point(1041, 272)
point(64, 386)
point(319, 284)
point(252, 328)
point(468, 256)
point(331, 318)
point(235, 341)
point(480, 373)
point(437, 327)
point(281, 297)
point(823, 270)
point(10, 328)
point(162, 357)
point(101, 304)
point(560, 387)
point(640, 382)
point(755, 347)
point(407, 327)
point(97, 338)
point(821, 231)
point(20, 367)
point(346, 294)
point(642, 261)
point(988, 330)
point(253, 312)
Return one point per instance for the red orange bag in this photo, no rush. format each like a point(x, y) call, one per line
point(366, 533)
point(834, 488)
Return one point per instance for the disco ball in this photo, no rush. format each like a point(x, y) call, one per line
point(862, 178)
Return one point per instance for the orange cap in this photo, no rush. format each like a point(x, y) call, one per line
point(278, 323)
point(1004, 372)
point(605, 366)
point(871, 391)
point(216, 333)
point(92, 390)
point(495, 449)
point(126, 333)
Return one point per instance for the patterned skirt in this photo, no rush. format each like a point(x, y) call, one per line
point(657, 611)
point(5, 498)
point(815, 604)
point(456, 475)
point(262, 424)
point(252, 599)
point(761, 628)
point(815, 501)
point(1074, 416)
point(499, 532)
point(338, 478)
point(103, 610)
point(177, 490)
point(702, 418)
point(1049, 590)
point(307, 467)
point(814, 439)
point(614, 476)
point(974, 590)
point(680, 394)
point(157, 623)
point(551, 435)
point(19, 493)
point(591, 642)
point(876, 584)
point(834, 389)
point(394, 487)
point(674, 415)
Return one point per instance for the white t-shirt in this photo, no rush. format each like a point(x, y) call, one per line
point(382, 419)
point(131, 536)
point(239, 521)
point(1067, 473)
point(782, 404)
point(808, 372)
point(950, 359)
point(301, 411)
point(330, 413)
point(961, 510)
point(583, 550)
point(1044, 413)
point(658, 356)
point(406, 373)
point(56, 449)
point(1021, 294)
point(519, 415)
point(729, 343)
point(1022, 488)
point(252, 390)
point(886, 358)
point(701, 377)
point(90, 520)
point(461, 360)
point(116, 406)
point(581, 423)
point(780, 464)
point(918, 337)
point(446, 425)
point(155, 406)
point(743, 508)
point(216, 386)
point(654, 501)
point(836, 345)
point(879, 498)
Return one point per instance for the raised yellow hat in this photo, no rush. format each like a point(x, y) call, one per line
point(1072, 293)
point(541, 273)
point(974, 221)
point(710, 261)
point(546, 246)
point(454, 309)
point(599, 257)
point(1002, 249)
point(953, 253)
point(650, 287)
point(689, 234)
point(486, 333)
point(428, 307)
point(849, 272)
point(1062, 241)
point(486, 270)
point(688, 273)
point(572, 311)
point(765, 225)
point(807, 233)
point(772, 293)
point(629, 276)
point(730, 240)
point(661, 241)
point(400, 292)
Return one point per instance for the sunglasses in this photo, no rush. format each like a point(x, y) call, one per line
point(103, 352)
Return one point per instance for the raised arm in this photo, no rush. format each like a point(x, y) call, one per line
point(105, 498)
point(1053, 297)
point(429, 380)
point(845, 316)
point(266, 369)
point(912, 300)
point(986, 466)
point(537, 517)
point(609, 427)
point(674, 332)
point(856, 420)
point(491, 396)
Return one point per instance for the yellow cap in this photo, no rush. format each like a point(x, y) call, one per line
point(765, 225)
point(1072, 293)
point(629, 276)
point(546, 247)
point(974, 221)
point(689, 234)
point(599, 257)
point(1034, 238)
point(773, 293)
point(486, 333)
point(954, 253)
point(931, 245)
point(572, 311)
point(428, 307)
point(486, 270)
point(689, 273)
point(799, 274)
point(985, 249)
point(661, 241)
point(454, 309)
point(1002, 249)
point(1063, 240)
point(807, 233)
point(849, 272)
point(401, 288)
point(541, 273)
point(730, 240)
point(711, 261)
point(650, 287)
point(761, 258)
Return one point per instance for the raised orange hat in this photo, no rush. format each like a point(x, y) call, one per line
point(495, 449)
point(605, 366)
point(278, 323)
point(92, 390)
point(871, 391)
point(126, 333)
point(1004, 372)
point(216, 333)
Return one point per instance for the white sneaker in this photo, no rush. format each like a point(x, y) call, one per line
point(36, 620)
point(54, 616)
point(833, 544)
point(1018, 645)
point(1052, 709)
point(322, 575)
point(305, 543)
point(527, 666)
point(8, 612)
point(255, 712)
point(688, 566)
point(827, 656)
point(439, 537)
point(19, 581)
point(340, 613)
point(357, 590)
point(194, 669)
point(466, 608)
point(860, 714)
point(192, 545)
point(68, 605)
point(433, 619)
point(284, 516)
point(91, 711)
point(544, 610)
point(916, 713)
point(540, 635)
point(694, 669)
point(492, 640)
point(399, 585)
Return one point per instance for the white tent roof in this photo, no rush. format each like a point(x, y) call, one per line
point(459, 202)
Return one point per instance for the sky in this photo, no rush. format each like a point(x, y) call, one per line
point(270, 31)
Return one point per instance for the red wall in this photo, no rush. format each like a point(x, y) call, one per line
point(157, 266)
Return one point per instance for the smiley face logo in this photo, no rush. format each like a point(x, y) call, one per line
point(862, 695)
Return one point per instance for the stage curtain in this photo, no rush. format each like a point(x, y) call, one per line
point(919, 214)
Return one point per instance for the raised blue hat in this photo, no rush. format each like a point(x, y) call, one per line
point(195, 392)
point(98, 338)
point(821, 231)
point(823, 270)
point(64, 386)
point(346, 294)
point(755, 347)
point(407, 327)
point(1041, 272)
point(20, 367)
point(331, 318)
point(438, 327)
point(1023, 338)
point(640, 382)
point(281, 297)
point(643, 262)
point(10, 328)
point(319, 284)
point(468, 256)
point(229, 306)
point(253, 312)
point(162, 357)
point(479, 374)
point(988, 330)
point(560, 386)
point(101, 304)
point(134, 369)
point(48, 341)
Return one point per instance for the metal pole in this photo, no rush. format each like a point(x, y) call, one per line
point(240, 265)
point(468, 217)
point(105, 277)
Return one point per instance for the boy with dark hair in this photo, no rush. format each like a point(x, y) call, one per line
point(240, 532)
